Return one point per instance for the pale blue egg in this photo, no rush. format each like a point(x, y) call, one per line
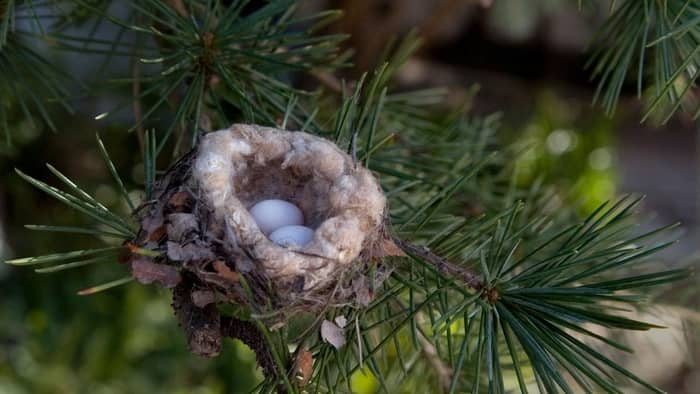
point(273, 214)
point(298, 236)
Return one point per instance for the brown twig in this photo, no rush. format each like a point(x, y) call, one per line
point(205, 328)
point(201, 325)
point(443, 265)
point(443, 371)
point(249, 334)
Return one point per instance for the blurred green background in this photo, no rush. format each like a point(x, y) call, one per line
point(526, 57)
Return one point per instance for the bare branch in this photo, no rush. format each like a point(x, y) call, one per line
point(443, 265)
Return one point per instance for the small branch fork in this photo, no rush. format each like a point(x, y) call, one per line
point(250, 335)
point(443, 265)
point(205, 328)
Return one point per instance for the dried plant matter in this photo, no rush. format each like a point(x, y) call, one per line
point(212, 251)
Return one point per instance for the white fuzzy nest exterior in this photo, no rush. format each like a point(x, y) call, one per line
point(340, 199)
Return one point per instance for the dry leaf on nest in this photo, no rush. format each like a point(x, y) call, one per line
point(188, 252)
point(146, 272)
point(225, 272)
point(157, 234)
point(305, 365)
point(341, 321)
point(333, 334)
point(386, 247)
point(202, 298)
point(180, 225)
point(179, 201)
point(150, 223)
point(363, 293)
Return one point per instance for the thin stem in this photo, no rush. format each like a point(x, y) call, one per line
point(443, 371)
point(466, 275)
point(280, 366)
point(249, 334)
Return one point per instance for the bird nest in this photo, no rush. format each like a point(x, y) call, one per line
point(198, 236)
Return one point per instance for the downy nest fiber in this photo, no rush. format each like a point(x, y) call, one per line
point(200, 220)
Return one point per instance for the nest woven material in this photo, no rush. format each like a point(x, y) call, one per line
point(210, 249)
point(198, 237)
point(339, 198)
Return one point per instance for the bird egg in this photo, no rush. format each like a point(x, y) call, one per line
point(298, 236)
point(273, 214)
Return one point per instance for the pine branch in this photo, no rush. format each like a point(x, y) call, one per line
point(468, 278)
point(120, 227)
point(489, 286)
point(660, 43)
point(222, 55)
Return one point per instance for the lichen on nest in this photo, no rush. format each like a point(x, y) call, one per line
point(213, 252)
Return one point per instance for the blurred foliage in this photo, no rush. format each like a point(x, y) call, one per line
point(570, 147)
point(124, 340)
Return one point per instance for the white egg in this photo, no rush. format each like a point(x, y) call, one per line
point(273, 214)
point(297, 236)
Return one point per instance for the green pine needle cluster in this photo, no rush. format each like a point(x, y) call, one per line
point(655, 44)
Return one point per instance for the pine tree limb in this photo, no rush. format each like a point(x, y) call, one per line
point(205, 329)
point(202, 325)
point(249, 334)
point(467, 276)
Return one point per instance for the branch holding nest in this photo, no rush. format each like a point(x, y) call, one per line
point(205, 328)
point(443, 265)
